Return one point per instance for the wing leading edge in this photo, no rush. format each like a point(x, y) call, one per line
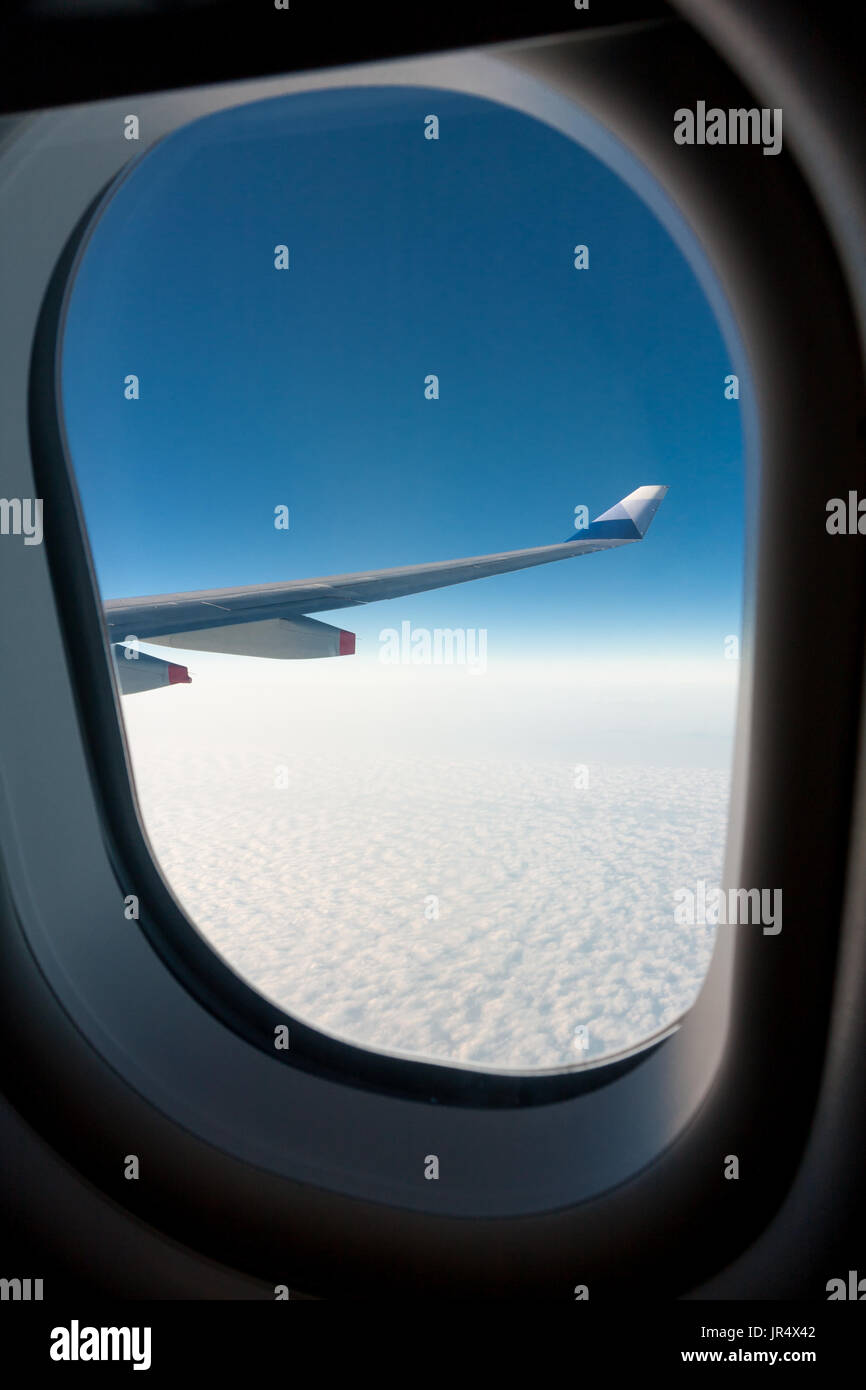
point(220, 619)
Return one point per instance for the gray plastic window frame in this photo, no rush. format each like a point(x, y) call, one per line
point(117, 993)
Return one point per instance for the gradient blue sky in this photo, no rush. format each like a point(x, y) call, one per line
point(306, 387)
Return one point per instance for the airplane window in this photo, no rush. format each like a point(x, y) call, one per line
point(410, 455)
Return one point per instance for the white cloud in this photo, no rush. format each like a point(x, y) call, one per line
point(555, 903)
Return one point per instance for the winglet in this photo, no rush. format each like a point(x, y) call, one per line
point(628, 520)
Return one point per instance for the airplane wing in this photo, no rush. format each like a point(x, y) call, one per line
point(273, 619)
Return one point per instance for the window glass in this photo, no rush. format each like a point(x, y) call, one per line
point(350, 330)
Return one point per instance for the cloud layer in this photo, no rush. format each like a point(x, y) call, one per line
point(469, 909)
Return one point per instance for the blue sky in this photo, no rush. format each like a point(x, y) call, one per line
point(306, 387)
